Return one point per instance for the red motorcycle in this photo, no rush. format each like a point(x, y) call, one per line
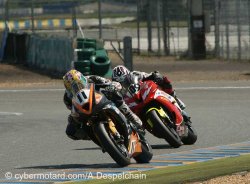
point(160, 113)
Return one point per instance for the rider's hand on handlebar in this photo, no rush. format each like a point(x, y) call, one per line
point(157, 76)
point(110, 88)
point(154, 76)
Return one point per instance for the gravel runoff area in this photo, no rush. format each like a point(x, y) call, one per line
point(236, 178)
point(15, 76)
point(190, 70)
point(176, 70)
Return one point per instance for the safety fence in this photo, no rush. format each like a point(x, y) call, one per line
point(52, 55)
point(143, 20)
point(159, 27)
point(232, 29)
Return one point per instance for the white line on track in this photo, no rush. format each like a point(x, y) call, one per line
point(28, 90)
point(11, 113)
point(178, 88)
point(213, 88)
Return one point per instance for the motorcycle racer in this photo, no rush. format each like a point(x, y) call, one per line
point(122, 75)
point(73, 81)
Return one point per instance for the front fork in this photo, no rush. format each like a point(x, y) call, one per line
point(114, 132)
point(134, 138)
point(182, 129)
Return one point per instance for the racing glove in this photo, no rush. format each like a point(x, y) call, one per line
point(154, 76)
point(113, 94)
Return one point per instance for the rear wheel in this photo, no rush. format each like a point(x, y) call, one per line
point(117, 151)
point(167, 132)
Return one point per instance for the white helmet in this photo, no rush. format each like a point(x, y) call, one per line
point(120, 73)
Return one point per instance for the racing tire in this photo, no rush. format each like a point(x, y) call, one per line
point(85, 54)
point(146, 154)
point(169, 133)
point(100, 65)
point(191, 138)
point(109, 146)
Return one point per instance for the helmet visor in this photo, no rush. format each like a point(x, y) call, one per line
point(77, 86)
point(126, 82)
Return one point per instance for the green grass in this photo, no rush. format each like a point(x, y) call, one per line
point(187, 173)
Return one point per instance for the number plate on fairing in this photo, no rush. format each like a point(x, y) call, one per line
point(83, 96)
point(181, 130)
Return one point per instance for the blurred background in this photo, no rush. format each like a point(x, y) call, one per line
point(195, 29)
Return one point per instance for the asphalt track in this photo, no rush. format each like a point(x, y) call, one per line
point(32, 125)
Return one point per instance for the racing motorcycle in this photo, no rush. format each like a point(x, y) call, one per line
point(160, 113)
point(109, 129)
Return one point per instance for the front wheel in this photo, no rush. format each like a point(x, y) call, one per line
point(191, 137)
point(146, 154)
point(118, 152)
point(167, 132)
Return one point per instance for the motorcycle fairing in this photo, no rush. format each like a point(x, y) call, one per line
point(160, 111)
point(85, 99)
point(167, 101)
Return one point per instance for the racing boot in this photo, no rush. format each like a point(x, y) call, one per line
point(133, 118)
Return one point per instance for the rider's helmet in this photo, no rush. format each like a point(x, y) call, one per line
point(74, 81)
point(120, 74)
